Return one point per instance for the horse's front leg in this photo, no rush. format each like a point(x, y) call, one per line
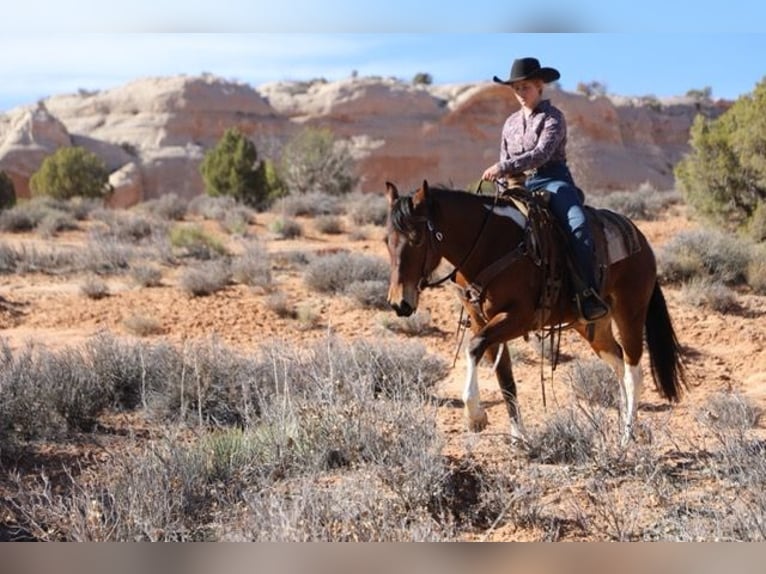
point(501, 358)
point(475, 415)
point(490, 339)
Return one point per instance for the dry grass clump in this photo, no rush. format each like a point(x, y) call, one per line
point(756, 270)
point(595, 382)
point(238, 219)
point(146, 275)
point(253, 266)
point(419, 323)
point(370, 293)
point(56, 222)
point(703, 292)
point(308, 204)
point(194, 242)
point(367, 208)
point(286, 228)
point(705, 253)
point(168, 207)
point(142, 325)
point(205, 278)
point(279, 304)
point(328, 224)
point(644, 203)
point(94, 287)
point(333, 273)
point(332, 442)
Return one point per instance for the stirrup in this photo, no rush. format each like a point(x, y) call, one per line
point(590, 294)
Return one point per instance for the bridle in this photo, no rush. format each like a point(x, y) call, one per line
point(403, 219)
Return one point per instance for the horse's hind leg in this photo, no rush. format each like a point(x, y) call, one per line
point(628, 372)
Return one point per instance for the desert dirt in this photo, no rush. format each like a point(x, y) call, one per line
point(722, 351)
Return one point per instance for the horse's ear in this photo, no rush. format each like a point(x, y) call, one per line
point(421, 194)
point(391, 192)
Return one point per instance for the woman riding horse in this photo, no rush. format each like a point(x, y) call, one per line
point(533, 143)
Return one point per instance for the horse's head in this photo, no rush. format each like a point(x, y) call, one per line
point(410, 247)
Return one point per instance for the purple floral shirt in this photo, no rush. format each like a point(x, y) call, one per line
point(528, 143)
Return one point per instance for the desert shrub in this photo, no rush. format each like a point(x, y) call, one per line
point(422, 78)
point(367, 208)
point(56, 222)
point(7, 191)
point(566, 438)
point(279, 304)
point(312, 203)
point(592, 89)
point(193, 241)
point(756, 227)
point(45, 394)
point(702, 292)
point(328, 224)
point(370, 293)
point(723, 177)
point(711, 254)
point(644, 203)
point(419, 323)
point(146, 275)
point(595, 382)
point(94, 287)
point(253, 266)
point(731, 411)
point(106, 255)
point(232, 169)
point(212, 207)
point(142, 325)
point(313, 161)
point(30, 259)
point(169, 207)
point(70, 172)
point(9, 258)
point(205, 278)
point(333, 273)
point(756, 270)
point(27, 215)
point(307, 315)
point(237, 220)
point(286, 228)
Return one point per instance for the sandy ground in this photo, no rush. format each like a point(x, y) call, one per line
point(723, 351)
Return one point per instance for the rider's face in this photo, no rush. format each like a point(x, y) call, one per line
point(527, 92)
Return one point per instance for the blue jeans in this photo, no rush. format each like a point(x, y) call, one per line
point(567, 207)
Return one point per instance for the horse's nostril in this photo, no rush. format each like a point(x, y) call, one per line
point(404, 309)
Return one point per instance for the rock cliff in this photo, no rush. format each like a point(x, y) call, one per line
point(153, 132)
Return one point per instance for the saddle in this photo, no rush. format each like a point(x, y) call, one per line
point(614, 235)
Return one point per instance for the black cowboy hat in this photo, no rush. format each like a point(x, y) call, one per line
point(528, 69)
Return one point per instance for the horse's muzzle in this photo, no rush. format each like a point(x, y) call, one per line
point(402, 309)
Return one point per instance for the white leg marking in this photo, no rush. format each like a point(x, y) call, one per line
point(613, 361)
point(475, 415)
point(632, 382)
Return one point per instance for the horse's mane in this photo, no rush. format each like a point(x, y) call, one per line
point(403, 218)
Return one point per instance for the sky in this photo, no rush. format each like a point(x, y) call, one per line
point(658, 48)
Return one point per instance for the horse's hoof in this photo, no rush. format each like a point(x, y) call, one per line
point(478, 423)
point(520, 443)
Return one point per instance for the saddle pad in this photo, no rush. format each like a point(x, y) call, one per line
point(620, 234)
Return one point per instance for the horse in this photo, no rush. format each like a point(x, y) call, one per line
point(502, 283)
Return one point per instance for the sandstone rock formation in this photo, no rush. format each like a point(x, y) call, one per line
point(153, 132)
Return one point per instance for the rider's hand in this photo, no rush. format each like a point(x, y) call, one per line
point(491, 173)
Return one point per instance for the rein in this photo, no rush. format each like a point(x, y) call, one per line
point(439, 236)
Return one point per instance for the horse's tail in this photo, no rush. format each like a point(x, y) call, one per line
point(664, 350)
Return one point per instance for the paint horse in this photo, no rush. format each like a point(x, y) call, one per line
point(498, 269)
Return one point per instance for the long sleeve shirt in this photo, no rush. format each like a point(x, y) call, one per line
point(530, 142)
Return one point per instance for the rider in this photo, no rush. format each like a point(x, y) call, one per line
point(533, 144)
